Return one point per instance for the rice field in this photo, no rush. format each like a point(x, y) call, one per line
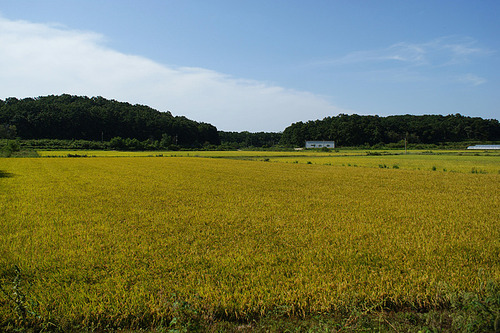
point(448, 161)
point(137, 242)
point(257, 153)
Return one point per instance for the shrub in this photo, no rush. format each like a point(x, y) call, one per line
point(11, 147)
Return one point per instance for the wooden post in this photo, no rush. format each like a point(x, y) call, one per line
point(406, 141)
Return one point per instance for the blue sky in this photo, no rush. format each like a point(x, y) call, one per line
point(258, 65)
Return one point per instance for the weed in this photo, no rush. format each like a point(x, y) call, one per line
point(476, 311)
point(185, 317)
point(16, 294)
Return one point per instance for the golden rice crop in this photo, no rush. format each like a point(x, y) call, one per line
point(449, 160)
point(466, 163)
point(204, 153)
point(120, 241)
point(216, 153)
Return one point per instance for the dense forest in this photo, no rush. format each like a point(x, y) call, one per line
point(237, 140)
point(356, 130)
point(68, 117)
point(98, 123)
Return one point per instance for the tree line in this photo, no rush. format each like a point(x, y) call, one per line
point(356, 130)
point(68, 117)
point(237, 140)
point(79, 121)
point(97, 123)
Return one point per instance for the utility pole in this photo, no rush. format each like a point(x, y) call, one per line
point(406, 142)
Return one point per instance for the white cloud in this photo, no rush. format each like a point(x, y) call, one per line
point(42, 59)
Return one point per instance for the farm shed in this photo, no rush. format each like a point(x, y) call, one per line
point(486, 147)
point(320, 144)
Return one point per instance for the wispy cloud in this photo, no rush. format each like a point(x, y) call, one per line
point(443, 60)
point(400, 52)
point(471, 79)
point(443, 51)
point(41, 59)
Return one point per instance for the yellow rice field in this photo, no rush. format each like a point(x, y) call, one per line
point(447, 161)
point(247, 153)
point(121, 241)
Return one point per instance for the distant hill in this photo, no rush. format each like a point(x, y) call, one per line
point(70, 117)
point(356, 130)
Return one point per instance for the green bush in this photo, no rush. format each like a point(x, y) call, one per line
point(10, 147)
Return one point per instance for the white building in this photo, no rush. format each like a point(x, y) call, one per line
point(320, 144)
point(484, 147)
